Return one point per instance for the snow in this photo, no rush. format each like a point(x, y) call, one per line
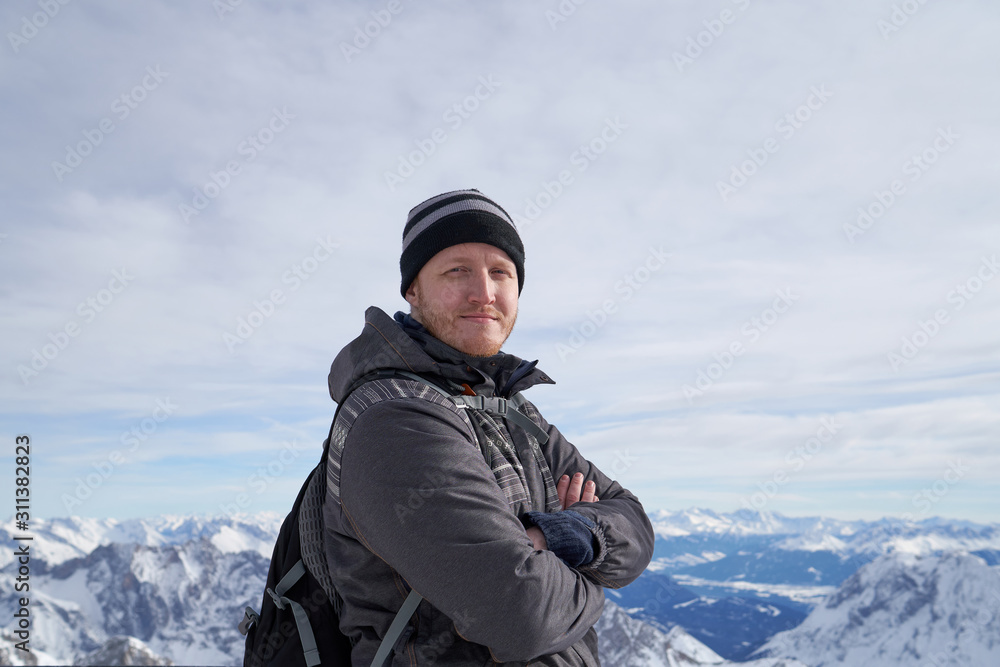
point(806, 594)
point(200, 571)
point(62, 539)
point(682, 560)
point(681, 641)
point(192, 566)
point(9, 655)
point(903, 609)
point(229, 540)
point(822, 534)
point(813, 542)
point(72, 592)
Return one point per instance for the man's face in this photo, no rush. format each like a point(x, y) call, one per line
point(466, 296)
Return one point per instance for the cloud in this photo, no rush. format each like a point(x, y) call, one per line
point(265, 122)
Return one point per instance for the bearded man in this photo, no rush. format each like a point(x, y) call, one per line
point(505, 529)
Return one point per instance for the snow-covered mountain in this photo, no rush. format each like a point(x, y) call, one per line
point(753, 574)
point(763, 553)
point(728, 581)
point(734, 626)
point(904, 609)
point(12, 656)
point(182, 600)
point(628, 642)
point(860, 541)
point(123, 651)
point(58, 540)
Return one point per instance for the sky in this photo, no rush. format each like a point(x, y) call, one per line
point(761, 239)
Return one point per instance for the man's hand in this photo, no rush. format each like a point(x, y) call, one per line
point(570, 491)
point(537, 538)
point(573, 491)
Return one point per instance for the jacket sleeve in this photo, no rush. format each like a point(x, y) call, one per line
point(416, 491)
point(623, 534)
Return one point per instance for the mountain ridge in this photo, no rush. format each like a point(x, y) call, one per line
point(179, 583)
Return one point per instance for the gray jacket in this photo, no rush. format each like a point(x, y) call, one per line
point(411, 502)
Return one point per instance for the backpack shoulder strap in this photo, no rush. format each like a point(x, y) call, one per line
point(306, 636)
point(495, 405)
point(418, 378)
point(292, 576)
point(503, 407)
point(402, 618)
point(396, 628)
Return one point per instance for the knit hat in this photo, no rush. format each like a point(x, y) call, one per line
point(461, 216)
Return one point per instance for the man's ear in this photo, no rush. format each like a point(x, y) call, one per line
point(411, 293)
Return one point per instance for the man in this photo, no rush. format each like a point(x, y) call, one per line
point(469, 509)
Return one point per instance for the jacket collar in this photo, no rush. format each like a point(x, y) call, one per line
point(403, 343)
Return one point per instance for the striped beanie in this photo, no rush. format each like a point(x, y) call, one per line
point(461, 216)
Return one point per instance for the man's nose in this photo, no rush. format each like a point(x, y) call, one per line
point(482, 290)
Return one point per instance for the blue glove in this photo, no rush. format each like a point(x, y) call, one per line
point(567, 534)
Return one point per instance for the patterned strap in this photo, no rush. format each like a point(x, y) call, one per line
point(511, 409)
point(492, 404)
point(414, 376)
point(495, 405)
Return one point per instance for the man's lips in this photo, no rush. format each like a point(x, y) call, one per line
point(479, 317)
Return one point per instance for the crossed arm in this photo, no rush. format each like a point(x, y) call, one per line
point(460, 546)
point(570, 491)
point(452, 537)
point(623, 535)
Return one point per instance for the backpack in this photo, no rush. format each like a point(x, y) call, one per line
point(295, 602)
